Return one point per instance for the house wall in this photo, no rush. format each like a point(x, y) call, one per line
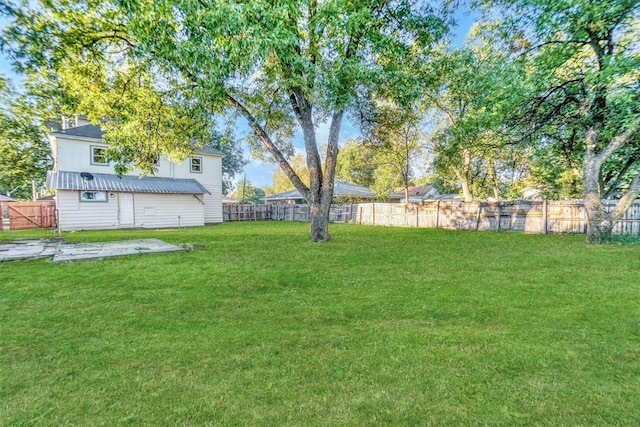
point(213, 204)
point(168, 210)
point(210, 178)
point(150, 211)
point(74, 154)
point(75, 215)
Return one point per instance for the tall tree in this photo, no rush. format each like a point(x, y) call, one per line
point(397, 141)
point(247, 193)
point(356, 163)
point(476, 86)
point(277, 64)
point(24, 152)
point(587, 70)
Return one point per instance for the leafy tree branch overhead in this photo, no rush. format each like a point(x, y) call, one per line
point(83, 57)
point(280, 65)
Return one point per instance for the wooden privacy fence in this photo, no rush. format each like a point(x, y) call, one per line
point(23, 215)
point(526, 216)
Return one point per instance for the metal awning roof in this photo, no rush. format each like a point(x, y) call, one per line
point(63, 180)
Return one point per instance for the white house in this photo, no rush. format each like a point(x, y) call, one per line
point(344, 190)
point(416, 194)
point(89, 195)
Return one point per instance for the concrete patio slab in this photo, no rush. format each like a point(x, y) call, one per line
point(89, 251)
point(27, 249)
point(62, 251)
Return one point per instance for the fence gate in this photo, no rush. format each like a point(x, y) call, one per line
point(31, 215)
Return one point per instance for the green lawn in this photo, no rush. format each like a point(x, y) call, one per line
point(380, 326)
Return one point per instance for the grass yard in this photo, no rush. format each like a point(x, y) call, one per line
point(381, 326)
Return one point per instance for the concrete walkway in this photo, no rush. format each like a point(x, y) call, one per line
point(62, 251)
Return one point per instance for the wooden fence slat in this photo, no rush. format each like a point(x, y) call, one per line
point(25, 215)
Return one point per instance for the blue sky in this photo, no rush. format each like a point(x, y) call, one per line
point(260, 173)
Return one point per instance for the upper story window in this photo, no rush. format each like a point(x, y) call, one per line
point(99, 156)
point(196, 164)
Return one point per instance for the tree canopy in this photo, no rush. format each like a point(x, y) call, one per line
point(24, 152)
point(280, 66)
point(585, 72)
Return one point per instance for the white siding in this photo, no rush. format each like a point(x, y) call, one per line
point(76, 215)
point(168, 210)
point(211, 169)
point(151, 211)
point(75, 155)
point(213, 204)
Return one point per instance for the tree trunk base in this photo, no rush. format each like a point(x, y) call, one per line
point(599, 235)
point(319, 226)
point(599, 221)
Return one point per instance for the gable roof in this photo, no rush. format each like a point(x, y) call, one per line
point(339, 189)
point(63, 180)
point(86, 131)
point(4, 198)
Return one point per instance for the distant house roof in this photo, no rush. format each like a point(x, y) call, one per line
point(6, 199)
point(448, 197)
point(340, 189)
point(416, 194)
point(226, 200)
point(62, 180)
point(94, 131)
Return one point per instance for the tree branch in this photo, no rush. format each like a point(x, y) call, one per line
point(618, 141)
point(270, 146)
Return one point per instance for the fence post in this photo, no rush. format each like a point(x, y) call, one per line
point(499, 214)
point(544, 216)
point(478, 215)
point(438, 214)
point(373, 215)
point(1, 215)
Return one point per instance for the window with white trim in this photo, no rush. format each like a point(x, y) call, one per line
point(196, 164)
point(99, 156)
point(93, 196)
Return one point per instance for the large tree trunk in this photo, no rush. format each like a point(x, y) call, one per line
point(600, 223)
point(319, 216)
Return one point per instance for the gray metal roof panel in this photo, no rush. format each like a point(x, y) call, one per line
point(63, 180)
